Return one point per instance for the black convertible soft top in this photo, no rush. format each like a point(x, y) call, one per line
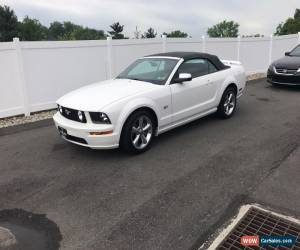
point(192, 55)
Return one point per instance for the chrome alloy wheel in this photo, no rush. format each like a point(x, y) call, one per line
point(141, 132)
point(229, 103)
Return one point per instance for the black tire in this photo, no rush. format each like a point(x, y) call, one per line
point(126, 139)
point(222, 112)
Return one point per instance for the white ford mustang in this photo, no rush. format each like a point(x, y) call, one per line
point(154, 94)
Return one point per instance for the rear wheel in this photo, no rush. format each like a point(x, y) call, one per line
point(137, 132)
point(227, 105)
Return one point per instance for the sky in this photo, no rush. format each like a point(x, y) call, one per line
point(191, 16)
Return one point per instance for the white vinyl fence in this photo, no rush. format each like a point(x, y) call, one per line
point(33, 75)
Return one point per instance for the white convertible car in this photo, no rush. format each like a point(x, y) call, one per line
point(154, 94)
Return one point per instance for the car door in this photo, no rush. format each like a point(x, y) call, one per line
point(195, 96)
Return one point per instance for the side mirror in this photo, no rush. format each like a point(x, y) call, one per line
point(183, 77)
point(287, 53)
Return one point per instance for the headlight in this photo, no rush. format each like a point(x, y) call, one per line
point(99, 117)
point(271, 67)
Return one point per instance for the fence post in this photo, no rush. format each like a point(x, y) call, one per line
point(164, 43)
point(109, 57)
point(238, 48)
point(298, 37)
point(203, 44)
point(271, 49)
point(22, 81)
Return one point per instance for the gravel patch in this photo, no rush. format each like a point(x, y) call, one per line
point(256, 76)
point(7, 239)
point(18, 120)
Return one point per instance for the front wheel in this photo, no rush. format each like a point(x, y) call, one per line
point(137, 132)
point(227, 105)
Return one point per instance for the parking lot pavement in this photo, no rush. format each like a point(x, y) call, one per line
point(172, 197)
point(281, 189)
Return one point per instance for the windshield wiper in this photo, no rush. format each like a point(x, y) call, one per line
point(135, 79)
point(129, 78)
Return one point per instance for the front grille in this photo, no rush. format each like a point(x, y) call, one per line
point(259, 222)
point(295, 79)
point(76, 139)
point(286, 71)
point(72, 114)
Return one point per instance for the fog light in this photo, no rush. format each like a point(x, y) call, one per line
point(102, 133)
point(80, 115)
point(60, 109)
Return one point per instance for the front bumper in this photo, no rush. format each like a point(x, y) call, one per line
point(292, 80)
point(79, 133)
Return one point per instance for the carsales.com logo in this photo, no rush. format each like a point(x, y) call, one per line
point(264, 240)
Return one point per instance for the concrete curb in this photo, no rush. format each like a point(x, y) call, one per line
point(26, 126)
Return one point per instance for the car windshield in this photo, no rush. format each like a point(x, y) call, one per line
point(153, 70)
point(295, 51)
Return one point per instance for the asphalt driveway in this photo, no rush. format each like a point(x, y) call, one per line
point(172, 197)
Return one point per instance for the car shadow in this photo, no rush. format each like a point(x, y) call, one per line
point(283, 88)
point(190, 127)
point(105, 154)
point(168, 136)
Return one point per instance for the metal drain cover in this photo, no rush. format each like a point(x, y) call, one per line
point(31, 231)
point(258, 222)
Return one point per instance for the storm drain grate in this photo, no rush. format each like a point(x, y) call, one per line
point(260, 222)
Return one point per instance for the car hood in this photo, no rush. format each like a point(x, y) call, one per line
point(98, 95)
point(288, 62)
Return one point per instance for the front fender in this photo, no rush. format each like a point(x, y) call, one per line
point(130, 107)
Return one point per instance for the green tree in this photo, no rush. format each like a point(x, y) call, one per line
point(116, 31)
point(176, 33)
point(224, 29)
point(8, 24)
point(93, 34)
point(150, 33)
point(81, 33)
point(56, 31)
point(32, 30)
point(290, 26)
point(297, 14)
point(71, 31)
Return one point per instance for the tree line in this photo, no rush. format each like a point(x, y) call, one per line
point(30, 29)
